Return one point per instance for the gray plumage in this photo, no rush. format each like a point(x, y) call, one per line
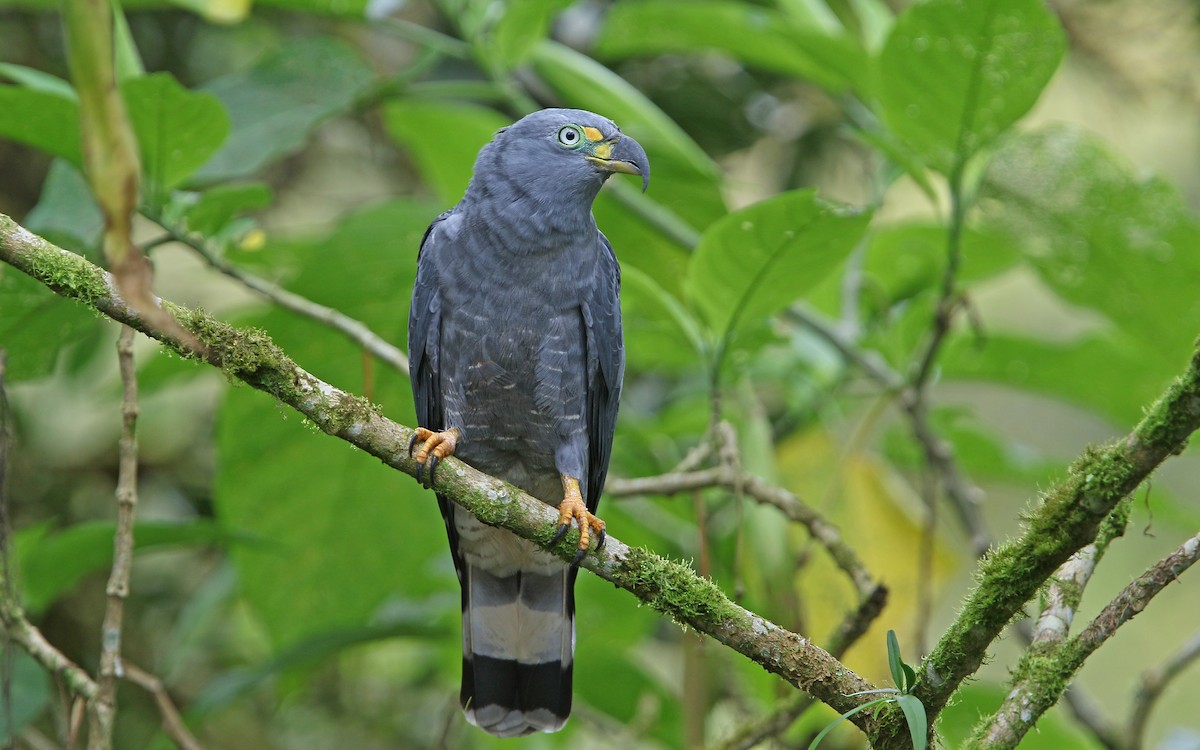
point(515, 343)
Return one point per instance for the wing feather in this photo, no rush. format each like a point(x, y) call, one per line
point(606, 367)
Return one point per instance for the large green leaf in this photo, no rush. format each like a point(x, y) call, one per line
point(758, 260)
point(43, 119)
point(1100, 237)
point(276, 104)
point(954, 74)
point(523, 25)
point(211, 211)
point(660, 334)
point(443, 138)
point(759, 36)
point(177, 130)
point(40, 328)
point(66, 214)
point(1134, 372)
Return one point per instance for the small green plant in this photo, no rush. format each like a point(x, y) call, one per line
point(905, 679)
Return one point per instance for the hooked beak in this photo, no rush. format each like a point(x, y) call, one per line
point(625, 156)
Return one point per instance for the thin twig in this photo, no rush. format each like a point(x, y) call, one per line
point(1152, 685)
point(1034, 690)
point(725, 477)
point(9, 593)
point(104, 706)
point(172, 722)
point(355, 330)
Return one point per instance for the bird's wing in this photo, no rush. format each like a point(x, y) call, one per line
point(424, 323)
point(606, 367)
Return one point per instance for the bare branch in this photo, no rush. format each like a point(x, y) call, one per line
point(171, 720)
point(105, 705)
point(726, 477)
point(1154, 683)
point(355, 330)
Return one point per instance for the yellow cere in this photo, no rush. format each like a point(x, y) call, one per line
point(593, 134)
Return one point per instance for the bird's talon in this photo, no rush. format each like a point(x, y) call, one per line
point(600, 539)
point(578, 558)
point(435, 446)
point(562, 531)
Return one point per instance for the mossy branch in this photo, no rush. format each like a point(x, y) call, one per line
point(251, 356)
point(1067, 520)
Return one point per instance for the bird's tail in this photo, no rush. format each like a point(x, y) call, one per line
point(518, 650)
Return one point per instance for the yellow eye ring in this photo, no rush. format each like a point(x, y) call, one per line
point(570, 136)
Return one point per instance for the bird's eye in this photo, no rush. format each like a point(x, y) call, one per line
point(569, 136)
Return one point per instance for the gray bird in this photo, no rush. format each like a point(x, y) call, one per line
point(516, 351)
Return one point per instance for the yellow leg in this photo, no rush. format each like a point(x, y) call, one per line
point(434, 447)
point(574, 508)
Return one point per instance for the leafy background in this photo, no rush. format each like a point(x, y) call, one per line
point(293, 593)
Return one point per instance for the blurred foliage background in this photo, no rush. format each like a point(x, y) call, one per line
point(293, 593)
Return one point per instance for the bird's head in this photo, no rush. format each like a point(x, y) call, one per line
point(561, 152)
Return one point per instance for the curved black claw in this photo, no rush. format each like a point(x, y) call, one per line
point(433, 464)
point(412, 443)
point(578, 558)
point(562, 531)
point(600, 539)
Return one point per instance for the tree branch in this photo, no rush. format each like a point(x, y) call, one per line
point(1066, 521)
point(1043, 673)
point(249, 355)
point(105, 704)
point(172, 722)
point(1153, 683)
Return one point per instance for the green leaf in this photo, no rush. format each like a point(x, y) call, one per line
point(758, 36)
point(914, 714)
point(37, 80)
point(905, 260)
point(1135, 370)
point(1098, 236)
point(66, 214)
point(216, 207)
point(954, 74)
point(443, 138)
point(57, 562)
point(128, 62)
point(756, 261)
point(40, 328)
point(523, 25)
point(659, 332)
point(29, 687)
point(356, 9)
point(177, 130)
point(833, 725)
point(47, 121)
point(276, 104)
point(895, 663)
